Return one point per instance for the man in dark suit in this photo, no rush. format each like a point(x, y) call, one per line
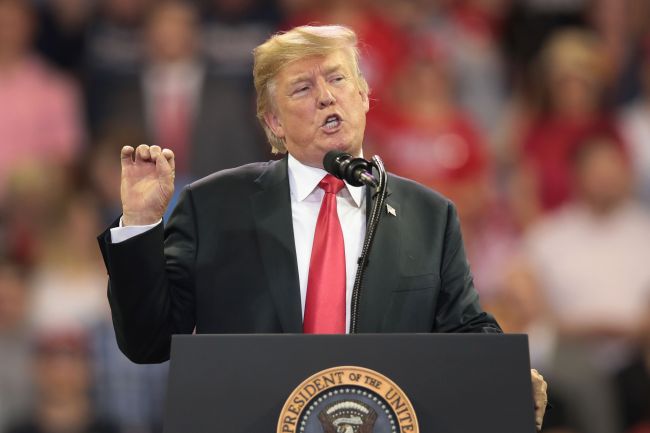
point(244, 252)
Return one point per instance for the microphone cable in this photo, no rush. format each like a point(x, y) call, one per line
point(379, 198)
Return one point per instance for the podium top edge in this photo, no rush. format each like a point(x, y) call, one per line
point(365, 335)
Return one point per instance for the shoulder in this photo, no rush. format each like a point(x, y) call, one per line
point(410, 191)
point(421, 208)
point(243, 178)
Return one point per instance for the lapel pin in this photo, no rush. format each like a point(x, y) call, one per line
point(391, 210)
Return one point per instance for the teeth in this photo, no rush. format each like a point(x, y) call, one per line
point(332, 122)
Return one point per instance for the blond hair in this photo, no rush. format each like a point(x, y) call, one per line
point(298, 43)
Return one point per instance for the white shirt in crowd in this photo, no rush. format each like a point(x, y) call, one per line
point(593, 269)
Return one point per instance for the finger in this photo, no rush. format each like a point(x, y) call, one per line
point(142, 153)
point(539, 396)
point(154, 151)
point(169, 156)
point(541, 399)
point(540, 409)
point(126, 155)
point(163, 165)
point(539, 419)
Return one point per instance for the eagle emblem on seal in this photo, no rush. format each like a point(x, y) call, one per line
point(348, 416)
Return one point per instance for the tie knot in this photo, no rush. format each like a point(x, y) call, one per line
point(330, 184)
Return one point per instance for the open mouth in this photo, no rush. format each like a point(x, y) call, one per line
point(332, 122)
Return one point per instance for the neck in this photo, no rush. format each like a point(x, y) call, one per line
point(319, 163)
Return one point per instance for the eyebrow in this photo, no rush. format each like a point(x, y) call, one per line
point(304, 77)
point(333, 68)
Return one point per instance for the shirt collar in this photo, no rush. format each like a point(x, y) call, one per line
point(303, 179)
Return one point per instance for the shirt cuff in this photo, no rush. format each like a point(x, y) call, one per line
point(122, 233)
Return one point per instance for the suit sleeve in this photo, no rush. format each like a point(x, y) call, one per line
point(151, 284)
point(458, 306)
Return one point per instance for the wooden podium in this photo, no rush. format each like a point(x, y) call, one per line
point(455, 383)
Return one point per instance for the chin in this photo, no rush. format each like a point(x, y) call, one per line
point(345, 146)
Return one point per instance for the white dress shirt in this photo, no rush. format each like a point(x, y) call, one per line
point(306, 198)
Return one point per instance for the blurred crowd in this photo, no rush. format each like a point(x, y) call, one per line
point(533, 116)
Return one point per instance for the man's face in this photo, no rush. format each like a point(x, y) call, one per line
point(603, 177)
point(318, 107)
point(170, 35)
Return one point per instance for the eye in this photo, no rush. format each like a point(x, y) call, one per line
point(300, 89)
point(337, 78)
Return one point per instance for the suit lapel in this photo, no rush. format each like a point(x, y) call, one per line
point(273, 224)
point(382, 273)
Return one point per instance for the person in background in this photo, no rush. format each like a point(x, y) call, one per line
point(63, 380)
point(62, 33)
point(29, 206)
point(113, 51)
point(231, 29)
point(131, 395)
point(40, 114)
point(421, 133)
point(472, 30)
point(15, 380)
point(633, 383)
point(579, 395)
point(113, 45)
point(590, 255)
point(571, 101)
point(635, 127)
point(68, 282)
point(206, 119)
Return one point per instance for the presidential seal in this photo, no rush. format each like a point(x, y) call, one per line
point(348, 400)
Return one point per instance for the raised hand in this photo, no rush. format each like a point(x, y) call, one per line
point(147, 183)
point(539, 396)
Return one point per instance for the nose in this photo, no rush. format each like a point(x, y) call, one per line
point(325, 96)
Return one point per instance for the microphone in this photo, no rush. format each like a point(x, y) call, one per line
point(355, 171)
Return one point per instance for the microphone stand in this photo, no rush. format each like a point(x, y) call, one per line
point(379, 197)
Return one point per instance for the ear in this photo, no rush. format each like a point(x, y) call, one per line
point(365, 100)
point(274, 123)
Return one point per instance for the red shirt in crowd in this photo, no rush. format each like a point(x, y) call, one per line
point(547, 149)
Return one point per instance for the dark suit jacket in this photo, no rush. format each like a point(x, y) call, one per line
point(229, 266)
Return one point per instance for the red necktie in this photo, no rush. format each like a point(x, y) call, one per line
point(325, 304)
point(173, 127)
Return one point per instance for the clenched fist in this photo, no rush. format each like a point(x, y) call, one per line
point(147, 183)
